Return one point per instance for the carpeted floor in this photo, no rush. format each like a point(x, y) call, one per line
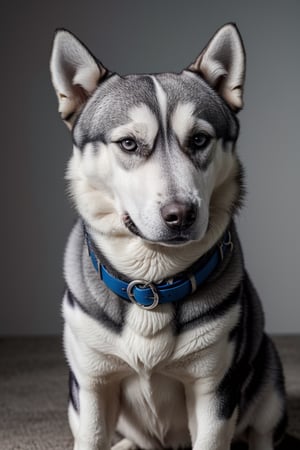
point(33, 393)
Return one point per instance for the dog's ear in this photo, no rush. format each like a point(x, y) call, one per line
point(222, 65)
point(75, 73)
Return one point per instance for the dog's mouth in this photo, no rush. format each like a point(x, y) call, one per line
point(174, 240)
point(131, 226)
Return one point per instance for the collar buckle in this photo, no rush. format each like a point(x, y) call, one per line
point(143, 284)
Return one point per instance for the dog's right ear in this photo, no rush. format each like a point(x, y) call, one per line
point(75, 74)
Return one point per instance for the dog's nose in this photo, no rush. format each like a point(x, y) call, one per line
point(178, 216)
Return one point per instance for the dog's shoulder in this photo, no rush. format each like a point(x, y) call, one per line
point(84, 290)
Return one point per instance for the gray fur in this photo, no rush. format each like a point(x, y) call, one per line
point(86, 290)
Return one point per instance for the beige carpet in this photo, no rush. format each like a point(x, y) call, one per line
point(33, 393)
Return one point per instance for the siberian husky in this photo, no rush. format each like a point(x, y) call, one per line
point(164, 331)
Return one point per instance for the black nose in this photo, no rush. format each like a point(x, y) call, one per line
point(179, 216)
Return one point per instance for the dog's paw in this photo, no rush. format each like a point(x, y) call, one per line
point(124, 444)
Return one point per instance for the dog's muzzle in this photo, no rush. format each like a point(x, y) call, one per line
point(177, 221)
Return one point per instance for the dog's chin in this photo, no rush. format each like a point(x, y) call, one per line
point(175, 240)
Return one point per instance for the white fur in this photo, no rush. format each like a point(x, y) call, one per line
point(124, 444)
point(162, 101)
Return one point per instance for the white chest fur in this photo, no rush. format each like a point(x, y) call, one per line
point(147, 343)
point(147, 340)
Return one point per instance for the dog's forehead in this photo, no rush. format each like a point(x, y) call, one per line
point(113, 102)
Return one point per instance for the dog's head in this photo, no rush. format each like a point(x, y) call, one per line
point(153, 154)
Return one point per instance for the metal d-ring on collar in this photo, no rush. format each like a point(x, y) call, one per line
point(143, 284)
point(227, 242)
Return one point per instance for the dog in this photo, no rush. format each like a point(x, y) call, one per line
point(163, 329)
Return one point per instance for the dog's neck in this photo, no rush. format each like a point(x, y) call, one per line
point(139, 259)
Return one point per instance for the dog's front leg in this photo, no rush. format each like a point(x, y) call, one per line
point(97, 416)
point(208, 430)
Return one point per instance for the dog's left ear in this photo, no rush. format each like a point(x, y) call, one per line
point(75, 73)
point(222, 65)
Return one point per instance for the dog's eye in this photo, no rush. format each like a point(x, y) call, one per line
point(199, 141)
point(128, 144)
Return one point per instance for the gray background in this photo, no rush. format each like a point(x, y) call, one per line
point(139, 36)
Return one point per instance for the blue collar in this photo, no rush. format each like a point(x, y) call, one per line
point(148, 295)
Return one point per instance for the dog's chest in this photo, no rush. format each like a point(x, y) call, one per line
point(147, 339)
point(153, 394)
point(149, 345)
